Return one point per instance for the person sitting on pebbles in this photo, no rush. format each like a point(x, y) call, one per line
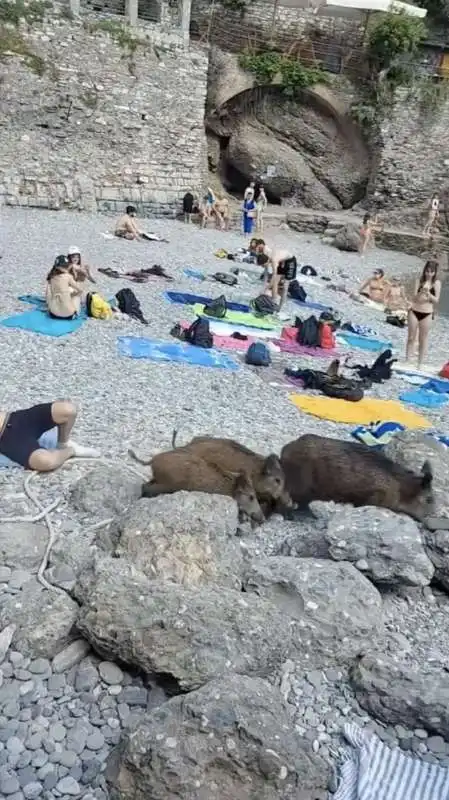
point(62, 292)
point(20, 432)
point(127, 227)
point(375, 287)
point(395, 299)
point(78, 268)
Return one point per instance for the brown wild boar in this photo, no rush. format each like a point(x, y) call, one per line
point(318, 468)
point(265, 472)
point(180, 470)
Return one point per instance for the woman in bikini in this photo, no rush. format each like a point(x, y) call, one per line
point(375, 287)
point(370, 226)
point(422, 310)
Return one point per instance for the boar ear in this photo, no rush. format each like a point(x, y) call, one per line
point(271, 465)
point(427, 475)
point(242, 481)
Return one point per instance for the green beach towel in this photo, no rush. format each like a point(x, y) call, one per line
point(241, 318)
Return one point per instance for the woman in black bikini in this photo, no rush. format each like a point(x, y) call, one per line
point(422, 310)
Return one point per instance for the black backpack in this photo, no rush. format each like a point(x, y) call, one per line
point(129, 304)
point(263, 305)
point(296, 291)
point(309, 332)
point(216, 308)
point(199, 334)
point(224, 277)
point(258, 355)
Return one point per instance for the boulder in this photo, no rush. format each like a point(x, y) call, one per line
point(233, 738)
point(307, 540)
point(386, 547)
point(398, 695)
point(252, 148)
point(187, 537)
point(105, 491)
point(338, 610)
point(44, 620)
point(411, 449)
point(22, 545)
point(348, 239)
point(72, 551)
point(192, 635)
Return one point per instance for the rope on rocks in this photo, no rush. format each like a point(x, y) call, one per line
point(45, 511)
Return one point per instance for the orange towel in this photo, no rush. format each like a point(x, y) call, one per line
point(364, 412)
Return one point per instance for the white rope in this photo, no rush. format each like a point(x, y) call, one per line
point(45, 511)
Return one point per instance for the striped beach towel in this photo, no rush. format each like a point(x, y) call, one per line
point(374, 771)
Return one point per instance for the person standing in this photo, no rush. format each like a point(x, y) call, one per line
point(249, 213)
point(422, 310)
point(261, 204)
point(432, 218)
point(250, 190)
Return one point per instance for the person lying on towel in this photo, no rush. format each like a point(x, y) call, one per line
point(62, 292)
point(280, 268)
point(127, 228)
point(20, 432)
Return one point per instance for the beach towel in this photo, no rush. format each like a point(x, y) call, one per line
point(241, 318)
point(194, 273)
point(48, 441)
point(179, 352)
point(38, 321)
point(415, 380)
point(439, 385)
point(367, 410)
point(424, 398)
point(186, 299)
point(374, 771)
point(218, 326)
point(311, 304)
point(241, 345)
point(362, 342)
point(426, 371)
point(378, 434)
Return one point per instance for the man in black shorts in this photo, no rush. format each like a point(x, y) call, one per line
point(280, 268)
point(20, 432)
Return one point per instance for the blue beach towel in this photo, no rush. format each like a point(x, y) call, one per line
point(39, 322)
point(439, 385)
point(48, 441)
point(422, 397)
point(378, 434)
point(187, 299)
point(363, 342)
point(180, 353)
point(311, 304)
point(194, 273)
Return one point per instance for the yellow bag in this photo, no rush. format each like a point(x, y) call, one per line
point(97, 307)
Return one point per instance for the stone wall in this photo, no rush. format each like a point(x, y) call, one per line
point(101, 127)
point(413, 157)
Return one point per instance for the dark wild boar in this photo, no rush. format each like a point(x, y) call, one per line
point(318, 468)
point(180, 470)
point(266, 472)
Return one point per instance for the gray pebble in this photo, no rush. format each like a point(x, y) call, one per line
point(16, 796)
point(22, 674)
point(114, 691)
point(91, 769)
point(26, 688)
point(86, 677)
point(333, 675)
point(315, 677)
point(76, 772)
point(26, 775)
point(95, 741)
point(57, 732)
point(68, 758)
point(46, 769)
point(401, 732)
point(7, 670)
point(25, 715)
point(39, 759)
point(76, 738)
point(110, 673)
point(70, 656)
point(8, 783)
point(40, 666)
point(50, 781)
point(14, 745)
point(134, 696)
point(68, 786)
point(34, 741)
point(436, 744)
point(56, 685)
point(16, 658)
point(421, 733)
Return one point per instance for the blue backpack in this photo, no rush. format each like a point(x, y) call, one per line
point(258, 355)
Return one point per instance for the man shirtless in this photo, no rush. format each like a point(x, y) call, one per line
point(126, 227)
point(20, 432)
point(280, 268)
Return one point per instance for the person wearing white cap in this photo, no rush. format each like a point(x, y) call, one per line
point(79, 270)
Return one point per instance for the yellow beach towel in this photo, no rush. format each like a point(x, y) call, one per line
point(362, 413)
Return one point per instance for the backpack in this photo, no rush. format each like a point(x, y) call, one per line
point(199, 334)
point(308, 270)
point(216, 308)
point(309, 333)
point(223, 277)
point(327, 338)
point(129, 304)
point(444, 371)
point(263, 305)
point(342, 388)
point(398, 322)
point(296, 291)
point(258, 355)
point(97, 307)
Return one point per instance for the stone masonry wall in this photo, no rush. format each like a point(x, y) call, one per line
point(101, 128)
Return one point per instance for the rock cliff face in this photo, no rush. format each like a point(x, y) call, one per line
point(306, 152)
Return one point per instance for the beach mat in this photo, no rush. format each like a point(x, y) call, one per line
point(363, 342)
point(427, 371)
point(248, 320)
point(37, 321)
point(186, 299)
point(224, 342)
point(311, 304)
point(178, 352)
point(424, 398)
point(365, 412)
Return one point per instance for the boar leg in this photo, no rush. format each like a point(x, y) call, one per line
point(299, 513)
point(153, 489)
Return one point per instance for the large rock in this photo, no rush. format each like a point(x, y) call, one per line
point(188, 537)
point(387, 547)
point(44, 620)
point(338, 610)
point(232, 739)
point(348, 238)
point(412, 448)
point(191, 635)
point(105, 491)
point(253, 148)
point(22, 545)
point(307, 540)
point(396, 694)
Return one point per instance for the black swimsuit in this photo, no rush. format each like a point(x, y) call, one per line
point(420, 315)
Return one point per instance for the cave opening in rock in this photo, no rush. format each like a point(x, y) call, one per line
point(235, 182)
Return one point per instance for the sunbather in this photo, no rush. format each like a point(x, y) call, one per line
point(395, 298)
point(222, 212)
point(127, 228)
point(375, 287)
point(62, 292)
point(20, 432)
point(79, 269)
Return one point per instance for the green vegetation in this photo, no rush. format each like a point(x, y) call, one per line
point(291, 74)
point(121, 34)
point(11, 40)
point(13, 11)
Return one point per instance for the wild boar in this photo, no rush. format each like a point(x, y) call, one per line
point(319, 468)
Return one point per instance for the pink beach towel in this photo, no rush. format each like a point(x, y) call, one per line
point(285, 345)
